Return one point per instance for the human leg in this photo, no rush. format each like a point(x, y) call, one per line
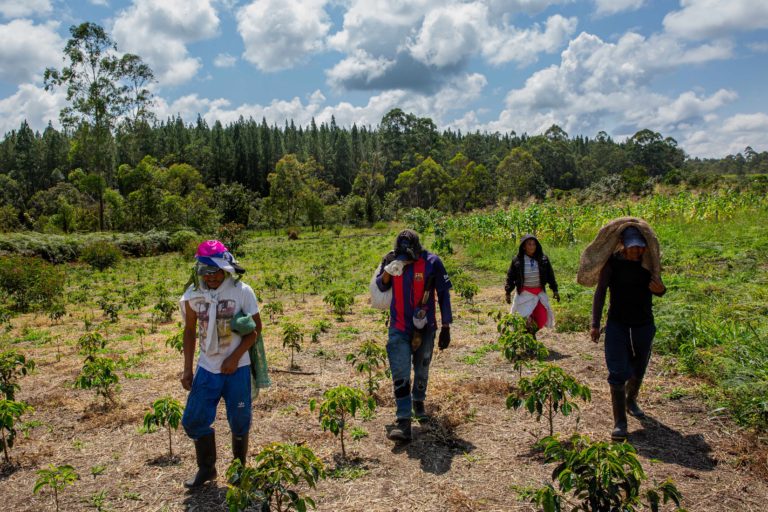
point(641, 339)
point(421, 361)
point(237, 397)
point(617, 359)
point(399, 355)
point(199, 415)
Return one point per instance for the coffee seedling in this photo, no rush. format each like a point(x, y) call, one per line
point(339, 404)
point(339, 301)
point(56, 478)
point(516, 343)
point(10, 412)
point(370, 360)
point(292, 338)
point(99, 374)
point(12, 366)
point(319, 327)
point(166, 412)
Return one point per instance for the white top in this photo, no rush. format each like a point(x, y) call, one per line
point(215, 310)
point(531, 277)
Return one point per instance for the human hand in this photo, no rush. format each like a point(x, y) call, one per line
point(388, 258)
point(395, 268)
point(508, 298)
point(656, 286)
point(229, 366)
point(594, 334)
point(445, 337)
point(556, 296)
point(186, 379)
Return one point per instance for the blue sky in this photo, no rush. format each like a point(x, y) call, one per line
point(691, 69)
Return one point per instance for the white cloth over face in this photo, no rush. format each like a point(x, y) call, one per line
point(525, 302)
point(215, 310)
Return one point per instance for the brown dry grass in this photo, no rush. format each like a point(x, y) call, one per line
point(467, 458)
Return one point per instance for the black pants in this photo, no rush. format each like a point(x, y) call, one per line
point(627, 350)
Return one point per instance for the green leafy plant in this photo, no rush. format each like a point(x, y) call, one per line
point(339, 301)
point(30, 283)
point(10, 412)
point(166, 412)
point(516, 343)
point(277, 470)
point(599, 476)
point(338, 405)
point(370, 360)
point(110, 308)
point(90, 343)
point(319, 327)
point(273, 308)
point(292, 338)
point(56, 478)
point(550, 391)
point(176, 342)
point(101, 254)
point(140, 332)
point(163, 310)
point(99, 374)
point(12, 366)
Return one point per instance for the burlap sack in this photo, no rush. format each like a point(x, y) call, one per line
point(608, 241)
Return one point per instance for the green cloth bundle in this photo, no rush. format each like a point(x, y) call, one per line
point(259, 373)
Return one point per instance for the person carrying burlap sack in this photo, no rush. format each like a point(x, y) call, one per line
point(624, 258)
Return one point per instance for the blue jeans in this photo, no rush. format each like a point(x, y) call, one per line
point(627, 351)
point(400, 360)
point(207, 389)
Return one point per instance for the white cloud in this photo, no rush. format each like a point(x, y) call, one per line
point(701, 19)
point(728, 137)
point(457, 93)
point(360, 66)
point(224, 60)
point(609, 7)
point(761, 47)
point(599, 85)
point(21, 8)
point(100, 3)
point(33, 104)
point(159, 30)
point(278, 34)
point(27, 49)
point(523, 46)
point(451, 34)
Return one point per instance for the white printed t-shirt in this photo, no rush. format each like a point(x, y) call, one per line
point(229, 298)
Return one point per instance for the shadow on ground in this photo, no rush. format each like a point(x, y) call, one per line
point(208, 497)
point(435, 445)
point(658, 441)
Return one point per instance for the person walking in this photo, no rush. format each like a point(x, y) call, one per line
point(529, 273)
point(222, 314)
point(631, 272)
point(416, 277)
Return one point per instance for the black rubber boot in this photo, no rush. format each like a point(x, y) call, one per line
point(239, 452)
point(419, 412)
point(205, 450)
point(619, 402)
point(633, 388)
point(401, 431)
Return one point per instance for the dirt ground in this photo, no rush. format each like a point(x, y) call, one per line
point(467, 458)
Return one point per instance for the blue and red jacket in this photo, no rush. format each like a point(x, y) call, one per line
point(408, 289)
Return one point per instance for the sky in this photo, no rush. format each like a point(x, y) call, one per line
point(694, 70)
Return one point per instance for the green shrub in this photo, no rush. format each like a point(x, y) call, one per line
point(101, 255)
point(339, 405)
point(31, 283)
point(182, 240)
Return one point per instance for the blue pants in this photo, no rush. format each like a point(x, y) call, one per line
point(400, 361)
point(207, 389)
point(627, 351)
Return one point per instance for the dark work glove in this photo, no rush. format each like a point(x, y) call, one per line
point(508, 297)
point(388, 258)
point(445, 337)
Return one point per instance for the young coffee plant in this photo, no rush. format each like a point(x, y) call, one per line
point(319, 327)
point(140, 332)
point(56, 478)
point(599, 476)
point(273, 308)
point(277, 470)
point(166, 412)
point(339, 301)
point(12, 366)
point(292, 338)
point(10, 412)
point(90, 343)
point(516, 343)
point(176, 342)
point(110, 308)
point(371, 360)
point(99, 374)
point(339, 404)
point(163, 310)
point(550, 391)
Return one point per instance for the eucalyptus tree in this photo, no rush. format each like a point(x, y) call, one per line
point(103, 87)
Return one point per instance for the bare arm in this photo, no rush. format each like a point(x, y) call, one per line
point(229, 365)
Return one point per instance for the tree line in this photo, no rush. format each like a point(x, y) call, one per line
point(114, 166)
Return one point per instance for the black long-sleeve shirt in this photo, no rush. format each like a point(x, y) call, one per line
point(631, 300)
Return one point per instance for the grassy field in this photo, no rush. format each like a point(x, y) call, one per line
point(705, 393)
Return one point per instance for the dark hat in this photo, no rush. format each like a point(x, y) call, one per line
point(407, 245)
point(632, 237)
